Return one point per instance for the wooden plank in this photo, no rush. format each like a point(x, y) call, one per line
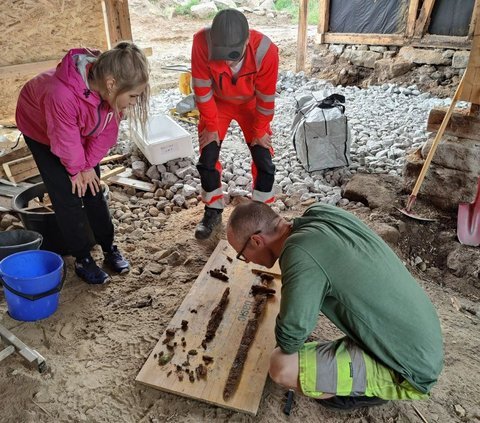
point(132, 183)
point(471, 87)
point(20, 169)
point(323, 19)
point(302, 35)
point(436, 41)
point(411, 18)
point(112, 172)
point(112, 158)
point(473, 21)
point(423, 20)
point(27, 68)
point(117, 21)
point(374, 39)
point(460, 125)
point(12, 155)
point(203, 297)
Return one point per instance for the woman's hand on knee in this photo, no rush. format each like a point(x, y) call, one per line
point(77, 185)
point(91, 180)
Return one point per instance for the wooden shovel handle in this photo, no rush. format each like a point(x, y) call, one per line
point(438, 138)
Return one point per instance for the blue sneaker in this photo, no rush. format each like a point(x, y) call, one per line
point(116, 261)
point(88, 270)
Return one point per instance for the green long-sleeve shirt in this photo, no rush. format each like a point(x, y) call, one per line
point(333, 263)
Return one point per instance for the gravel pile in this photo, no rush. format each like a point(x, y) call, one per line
point(385, 122)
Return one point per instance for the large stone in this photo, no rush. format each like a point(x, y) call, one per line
point(204, 10)
point(464, 261)
point(372, 190)
point(455, 153)
point(423, 56)
point(460, 59)
point(366, 59)
point(387, 69)
point(139, 168)
point(225, 4)
point(443, 187)
point(322, 62)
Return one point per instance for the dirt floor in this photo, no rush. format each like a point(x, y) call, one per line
point(100, 337)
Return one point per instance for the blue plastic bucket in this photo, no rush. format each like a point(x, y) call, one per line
point(31, 282)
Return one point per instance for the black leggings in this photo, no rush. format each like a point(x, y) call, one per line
point(74, 215)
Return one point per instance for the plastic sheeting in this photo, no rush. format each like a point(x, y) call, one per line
point(369, 16)
point(451, 17)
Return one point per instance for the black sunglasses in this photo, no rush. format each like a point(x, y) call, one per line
point(240, 255)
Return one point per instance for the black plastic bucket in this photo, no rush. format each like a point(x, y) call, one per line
point(44, 222)
point(18, 240)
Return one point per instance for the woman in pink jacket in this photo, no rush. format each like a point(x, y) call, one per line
point(69, 117)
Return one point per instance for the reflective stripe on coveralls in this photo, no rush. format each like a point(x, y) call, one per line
point(213, 199)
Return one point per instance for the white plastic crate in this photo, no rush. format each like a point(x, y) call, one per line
point(165, 140)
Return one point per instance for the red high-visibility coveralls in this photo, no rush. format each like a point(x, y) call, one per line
point(247, 97)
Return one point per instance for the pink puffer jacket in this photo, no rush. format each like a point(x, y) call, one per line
point(58, 109)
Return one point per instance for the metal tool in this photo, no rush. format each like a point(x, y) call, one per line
point(407, 211)
point(288, 404)
point(14, 344)
point(468, 221)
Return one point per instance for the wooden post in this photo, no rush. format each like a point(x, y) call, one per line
point(117, 21)
point(473, 21)
point(302, 35)
point(412, 17)
point(323, 20)
point(423, 20)
point(471, 90)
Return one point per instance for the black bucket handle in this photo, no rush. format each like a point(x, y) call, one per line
point(34, 297)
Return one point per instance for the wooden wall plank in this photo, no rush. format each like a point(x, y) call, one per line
point(117, 21)
point(423, 20)
point(471, 86)
point(203, 297)
point(323, 19)
point(473, 21)
point(302, 35)
point(411, 18)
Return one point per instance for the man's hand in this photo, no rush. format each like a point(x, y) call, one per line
point(90, 180)
point(263, 141)
point(207, 137)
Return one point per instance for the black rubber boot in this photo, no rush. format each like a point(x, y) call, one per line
point(211, 218)
point(341, 403)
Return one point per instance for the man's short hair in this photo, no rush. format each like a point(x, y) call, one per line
point(251, 216)
point(228, 34)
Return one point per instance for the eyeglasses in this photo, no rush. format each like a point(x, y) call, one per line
point(240, 255)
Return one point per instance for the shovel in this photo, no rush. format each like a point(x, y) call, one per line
point(468, 221)
point(438, 137)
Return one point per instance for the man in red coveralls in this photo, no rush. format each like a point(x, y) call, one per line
point(234, 71)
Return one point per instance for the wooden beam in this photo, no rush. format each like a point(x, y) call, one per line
point(471, 88)
point(20, 169)
point(435, 41)
point(441, 41)
point(27, 68)
point(323, 19)
point(473, 21)
point(423, 20)
point(460, 125)
point(112, 158)
point(411, 18)
point(374, 39)
point(18, 153)
point(112, 172)
point(117, 21)
point(302, 35)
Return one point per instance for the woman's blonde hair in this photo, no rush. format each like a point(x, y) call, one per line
point(128, 65)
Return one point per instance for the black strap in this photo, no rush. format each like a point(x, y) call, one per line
point(34, 297)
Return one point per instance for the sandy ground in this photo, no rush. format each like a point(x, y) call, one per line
point(97, 341)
